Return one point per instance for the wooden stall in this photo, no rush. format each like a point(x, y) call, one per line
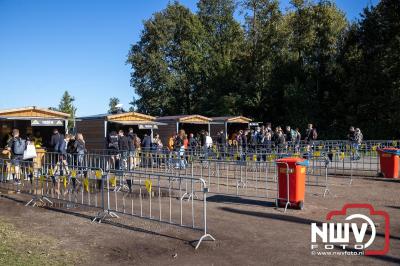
point(190, 123)
point(229, 124)
point(33, 122)
point(96, 128)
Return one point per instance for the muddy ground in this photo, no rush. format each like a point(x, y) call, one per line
point(248, 231)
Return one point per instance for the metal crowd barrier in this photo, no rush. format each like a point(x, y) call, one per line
point(340, 163)
point(157, 197)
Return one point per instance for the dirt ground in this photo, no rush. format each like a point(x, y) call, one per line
point(247, 231)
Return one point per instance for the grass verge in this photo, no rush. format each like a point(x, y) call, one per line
point(17, 248)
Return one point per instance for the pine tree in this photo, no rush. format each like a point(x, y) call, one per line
point(112, 105)
point(66, 105)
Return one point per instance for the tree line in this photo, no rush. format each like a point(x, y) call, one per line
point(307, 64)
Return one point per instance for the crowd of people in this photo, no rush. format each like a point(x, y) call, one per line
point(68, 148)
point(123, 147)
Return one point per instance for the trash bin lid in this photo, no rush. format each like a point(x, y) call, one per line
point(303, 163)
point(391, 150)
point(290, 160)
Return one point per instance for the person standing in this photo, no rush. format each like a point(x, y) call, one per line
point(71, 151)
point(56, 140)
point(62, 164)
point(311, 133)
point(16, 146)
point(298, 140)
point(358, 138)
point(171, 142)
point(146, 143)
point(221, 143)
point(113, 149)
point(192, 142)
point(132, 150)
point(80, 148)
point(180, 150)
point(279, 139)
point(157, 147)
point(123, 146)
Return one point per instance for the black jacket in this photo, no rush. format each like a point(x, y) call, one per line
point(56, 142)
point(146, 143)
point(71, 147)
point(123, 143)
point(131, 141)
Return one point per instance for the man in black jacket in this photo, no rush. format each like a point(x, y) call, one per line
point(146, 143)
point(132, 149)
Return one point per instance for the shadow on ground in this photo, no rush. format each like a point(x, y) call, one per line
point(239, 200)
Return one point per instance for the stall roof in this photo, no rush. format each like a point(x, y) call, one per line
point(232, 119)
point(129, 118)
point(193, 119)
point(31, 112)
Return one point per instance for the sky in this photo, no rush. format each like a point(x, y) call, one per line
point(50, 46)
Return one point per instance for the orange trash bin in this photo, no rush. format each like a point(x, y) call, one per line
point(389, 162)
point(293, 170)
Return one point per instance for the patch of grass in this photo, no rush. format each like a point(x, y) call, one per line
point(17, 248)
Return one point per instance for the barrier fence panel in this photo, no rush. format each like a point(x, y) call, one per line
point(153, 196)
point(345, 157)
point(348, 163)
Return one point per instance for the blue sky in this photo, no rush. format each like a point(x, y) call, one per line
point(49, 46)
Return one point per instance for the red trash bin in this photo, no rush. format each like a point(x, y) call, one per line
point(293, 170)
point(389, 162)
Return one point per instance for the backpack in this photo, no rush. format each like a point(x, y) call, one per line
point(113, 142)
point(19, 146)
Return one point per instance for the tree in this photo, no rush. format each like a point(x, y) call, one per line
point(304, 65)
point(112, 105)
point(370, 80)
point(166, 62)
point(224, 38)
point(132, 104)
point(265, 41)
point(66, 105)
point(307, 76)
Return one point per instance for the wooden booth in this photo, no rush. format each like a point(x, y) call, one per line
point(190, 123)
point(96, 128)
point(33, 122)
point(229, 124)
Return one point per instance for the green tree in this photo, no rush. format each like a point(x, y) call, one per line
point(112, 105)
point(166, 62)
point(370, 80)
point(132, 104)
point(265, 41)
point(307, 77)
point(66, 105)
point(307, 64)
point(225, 40)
